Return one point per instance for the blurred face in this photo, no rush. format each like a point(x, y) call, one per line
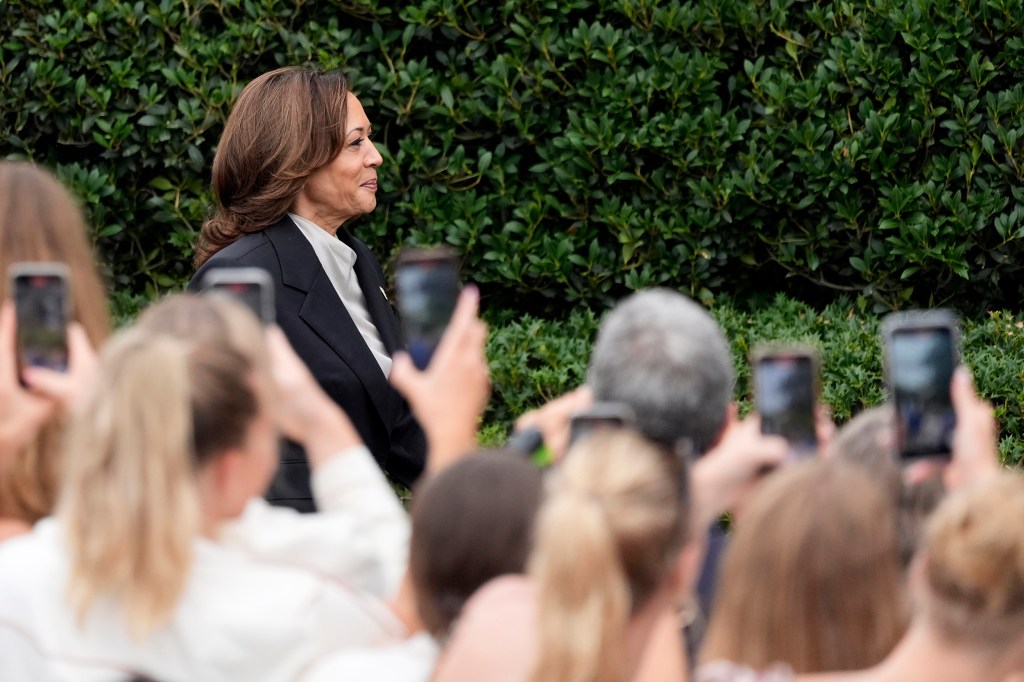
point(347, 186)
point(261, 443)
point(229, 481)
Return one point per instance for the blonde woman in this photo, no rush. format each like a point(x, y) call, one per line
point(163, 561)
point(610, 562)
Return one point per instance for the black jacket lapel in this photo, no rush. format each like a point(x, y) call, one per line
point(326, 315)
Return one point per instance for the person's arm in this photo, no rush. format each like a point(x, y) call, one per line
point(23, 411)
point(554, 419)
point(451, 394)
point(975, 449)
point(724, 477)
point(664, 656)
point(361, 533)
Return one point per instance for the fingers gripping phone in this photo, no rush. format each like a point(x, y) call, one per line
point(41, 301)
point(922, 349)
point(428, 289)
point(786, 388)
point(252, 287)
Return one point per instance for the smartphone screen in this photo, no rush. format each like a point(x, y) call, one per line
point(428, 289)
point(785, 395)
point(251, 287)
point(41, 302)
point(921, 363)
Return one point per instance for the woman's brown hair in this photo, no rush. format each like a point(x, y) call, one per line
point(812, 576)
point(285, 125)
point(607, 536)
point(40, 221)
point(470, 523)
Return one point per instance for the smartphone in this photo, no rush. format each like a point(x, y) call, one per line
point(922, 349)
point(786, 387)
point(600, 415)
point(428, 289)
point(252, 287)
point(41, 301)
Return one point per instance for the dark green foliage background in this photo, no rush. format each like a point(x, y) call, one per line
point(533, 360)
point(574, 150)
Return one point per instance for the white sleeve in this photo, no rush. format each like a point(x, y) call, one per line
point(411, 660)
point(360, 535)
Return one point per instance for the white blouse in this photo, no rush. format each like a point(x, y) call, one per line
point(277, 591)
point(339, 261)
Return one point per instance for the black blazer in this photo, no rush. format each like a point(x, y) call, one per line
point(323, 334)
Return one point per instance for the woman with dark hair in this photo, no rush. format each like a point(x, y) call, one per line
point(471, 523)
point(295, 165)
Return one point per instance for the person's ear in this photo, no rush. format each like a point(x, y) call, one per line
point(223, 484)
point(732, 415)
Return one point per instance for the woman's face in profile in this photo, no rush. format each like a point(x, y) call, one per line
point(347, 186)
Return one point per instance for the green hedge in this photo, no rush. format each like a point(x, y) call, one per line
point(533, 360)
point(573, 149)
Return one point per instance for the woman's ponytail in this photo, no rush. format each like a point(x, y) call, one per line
point(130, 503)
point(609, 531)
point(583, 591)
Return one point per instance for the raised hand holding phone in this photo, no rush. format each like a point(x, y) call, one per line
point(450, 395)
point(786, 388)
point(922, 351)
point(428, 289)
point(41, 295)
point(22, 412)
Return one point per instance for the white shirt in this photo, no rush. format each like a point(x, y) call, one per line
point(412, 660)
point(275, 593)
point(338, 261)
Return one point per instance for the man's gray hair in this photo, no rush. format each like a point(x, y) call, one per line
point(662, 354)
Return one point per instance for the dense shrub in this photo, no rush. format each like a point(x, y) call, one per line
point(572, 149)
point(533, 360)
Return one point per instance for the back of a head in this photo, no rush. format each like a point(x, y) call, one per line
point(162, 407)
point(608, 534)
point(869, 442)
point(286, 124)
point(973, 566)
point(40, 221)
point(472, 522)
point(812, 576)
point(662, 354)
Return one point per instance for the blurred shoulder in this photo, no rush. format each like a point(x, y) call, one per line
point(495, 637)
